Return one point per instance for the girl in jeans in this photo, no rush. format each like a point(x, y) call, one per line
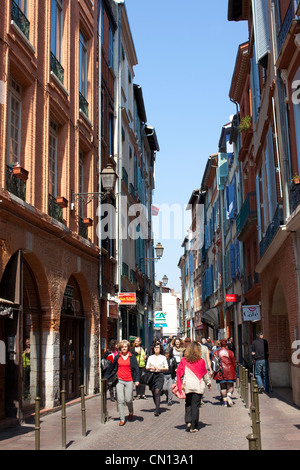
point(126, 367)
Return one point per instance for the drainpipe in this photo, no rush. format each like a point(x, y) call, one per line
point(100, 6)
point(118, 138)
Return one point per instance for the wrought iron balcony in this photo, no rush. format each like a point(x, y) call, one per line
point(15, 185)
point(83, 104)
point(20, 19)
point(54, 210)
point(56, 68)
point(287, 22)
point(272, 230)
point(247, 216)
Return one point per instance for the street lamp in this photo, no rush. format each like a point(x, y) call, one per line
point(165, 280)
point(159, 249)
point(108, 179)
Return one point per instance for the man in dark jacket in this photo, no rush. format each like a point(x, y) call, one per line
point(260, 353)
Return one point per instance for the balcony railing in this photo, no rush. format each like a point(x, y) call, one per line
point(56, 68)
point(247, 214)
point(83, 104)
point(15, 185)
point(54, 210)
point(20, 19)
point(287, 22)
point(272, 230)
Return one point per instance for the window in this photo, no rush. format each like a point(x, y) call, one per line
point(82, 65)
point(111, 134)
point(14, 123)
point(56, 28)
point(53, 141)
point(111, 47)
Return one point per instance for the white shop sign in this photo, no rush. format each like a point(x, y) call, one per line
point(251, 312)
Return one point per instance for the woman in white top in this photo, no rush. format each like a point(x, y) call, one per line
point(157, 363)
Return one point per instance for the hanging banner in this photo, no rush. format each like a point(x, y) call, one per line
point(127, 298)
point(251, 312)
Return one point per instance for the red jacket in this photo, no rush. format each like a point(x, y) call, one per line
point(227, 371)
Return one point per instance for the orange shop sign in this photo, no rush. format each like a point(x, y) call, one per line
point(127, 298)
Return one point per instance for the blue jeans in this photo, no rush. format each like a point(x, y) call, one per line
point(261, 372)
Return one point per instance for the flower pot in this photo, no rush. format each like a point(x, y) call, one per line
point(20, 173)
point(87, 221)
point(62, 202)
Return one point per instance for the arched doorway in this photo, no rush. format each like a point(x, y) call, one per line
point(72, 334)
point(280, 364)
point(20, 330)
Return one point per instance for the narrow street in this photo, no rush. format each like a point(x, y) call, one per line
point(220, 428)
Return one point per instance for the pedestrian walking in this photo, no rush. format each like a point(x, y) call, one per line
point(126, 368)
point(191, 377)
point(169, 377)
point(157, 363)
point(140, 355)
point(231, 344)
point(260, 354)
point(226, 375)
point(110, 354)
point(178, 349)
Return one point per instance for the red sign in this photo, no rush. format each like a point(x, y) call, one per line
point(231, 298)
point(127, 298)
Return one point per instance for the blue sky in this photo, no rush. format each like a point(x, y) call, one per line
point(186, 56)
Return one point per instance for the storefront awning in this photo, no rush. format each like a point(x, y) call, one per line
point(211, 317)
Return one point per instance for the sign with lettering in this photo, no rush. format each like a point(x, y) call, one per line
point(127, 298)
point(160, 319)
point(231, 298)
point(251, 312)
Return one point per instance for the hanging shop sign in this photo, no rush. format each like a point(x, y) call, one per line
point(231, 298)
point(127, 298)
point(251, 312)
point(160, 319)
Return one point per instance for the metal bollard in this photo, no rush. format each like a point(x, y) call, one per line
point(83, 416)
point(257, 415)
point(243, 383)
point(104, 412)
point(246, 389)
point(252, 441)
point(63, 418)
point(37, 427)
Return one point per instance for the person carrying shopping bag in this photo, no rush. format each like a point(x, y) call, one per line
point(191, 377)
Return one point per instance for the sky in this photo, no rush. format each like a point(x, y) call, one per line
point(186, 55)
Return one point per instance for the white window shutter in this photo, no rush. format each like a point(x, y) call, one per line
point(261, 28)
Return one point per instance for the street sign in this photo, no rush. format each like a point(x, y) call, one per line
point(231, 298)
point(251, 312)
point(127, 298)
point(160, 319)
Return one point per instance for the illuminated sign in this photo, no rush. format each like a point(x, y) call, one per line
point(231, 298)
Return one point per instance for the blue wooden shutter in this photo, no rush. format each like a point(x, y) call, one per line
point(271, 177)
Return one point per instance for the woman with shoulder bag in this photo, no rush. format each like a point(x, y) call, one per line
point(140, 355)
point(191, 377)
point(126, 367)
point(157, 363)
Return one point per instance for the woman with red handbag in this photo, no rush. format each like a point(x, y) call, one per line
point(192, 376)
